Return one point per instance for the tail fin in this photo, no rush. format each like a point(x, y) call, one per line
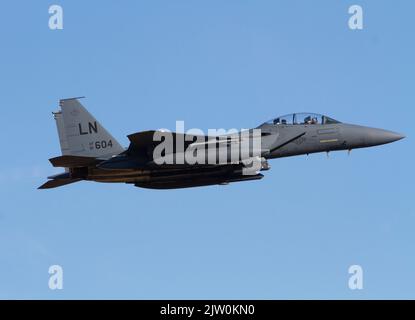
point(61, 132)
point(80, 134)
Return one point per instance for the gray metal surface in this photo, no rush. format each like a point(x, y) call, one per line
point(91, 153)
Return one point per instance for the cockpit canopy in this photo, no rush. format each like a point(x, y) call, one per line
point(302, 118)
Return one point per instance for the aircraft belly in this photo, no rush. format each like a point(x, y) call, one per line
point(188, 182)
point(174, 177)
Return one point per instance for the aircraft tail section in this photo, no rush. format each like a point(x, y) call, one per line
point(59, 180)
point(54, 183)
point(68, 161)
point(80, 134)
point(61, 133)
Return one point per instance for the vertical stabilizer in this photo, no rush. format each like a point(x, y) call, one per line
point(80, 134)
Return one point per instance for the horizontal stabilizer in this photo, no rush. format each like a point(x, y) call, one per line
point(57, 183)
point(73, 161)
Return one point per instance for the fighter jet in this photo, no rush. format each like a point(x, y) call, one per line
point(159, 159)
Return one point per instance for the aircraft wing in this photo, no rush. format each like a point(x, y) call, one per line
point(144, 140)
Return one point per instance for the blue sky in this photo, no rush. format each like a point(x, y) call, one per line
point(214, 64)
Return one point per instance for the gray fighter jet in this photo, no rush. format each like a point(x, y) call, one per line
point(90, 153)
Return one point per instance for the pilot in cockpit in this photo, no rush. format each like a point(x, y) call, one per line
point(308, 120)
point(311, 120)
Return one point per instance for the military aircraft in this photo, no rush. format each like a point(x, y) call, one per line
point(90, 152)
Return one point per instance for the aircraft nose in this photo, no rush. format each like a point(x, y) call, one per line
point(380, 136)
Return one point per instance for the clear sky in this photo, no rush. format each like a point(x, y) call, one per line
point(214, 64)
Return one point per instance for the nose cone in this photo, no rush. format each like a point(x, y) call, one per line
point(379, 136)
